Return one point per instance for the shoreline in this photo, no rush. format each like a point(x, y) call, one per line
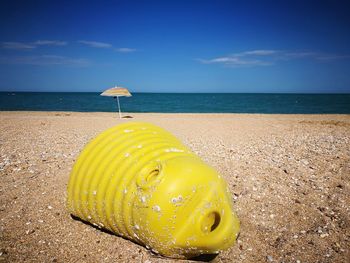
point(170, 113)
point(288, 174)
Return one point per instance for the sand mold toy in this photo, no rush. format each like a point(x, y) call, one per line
point(140, 182)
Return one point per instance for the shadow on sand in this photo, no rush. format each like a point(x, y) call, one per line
point(200, 258)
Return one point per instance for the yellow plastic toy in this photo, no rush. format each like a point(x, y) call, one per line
point(140, 182)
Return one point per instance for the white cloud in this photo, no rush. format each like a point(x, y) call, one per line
point(258, 52)
point(297, 55)
point(125, 50)
point(235, 62)
point(45, 60)
point(332, 57)
point(248, 58)
point(262, 57)
point(17, 45)
point(95, 44)
point(32, 45)
point(49, 43)
point(40, 43)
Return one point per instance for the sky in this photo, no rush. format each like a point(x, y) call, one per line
point(175, 46)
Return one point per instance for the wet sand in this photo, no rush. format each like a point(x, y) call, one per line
point(288, 175)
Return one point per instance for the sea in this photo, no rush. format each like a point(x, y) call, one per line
point(178, 102)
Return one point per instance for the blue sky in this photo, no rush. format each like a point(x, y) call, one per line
point(175, 46)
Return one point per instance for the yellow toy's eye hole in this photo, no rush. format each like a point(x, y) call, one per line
point(149, 175)
point(152, 176)
point(210, 222)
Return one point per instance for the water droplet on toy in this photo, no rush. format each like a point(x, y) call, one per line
point(173, 150)
point(175, 200)
point(156, 208)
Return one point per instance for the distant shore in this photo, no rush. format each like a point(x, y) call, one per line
point(289, 176)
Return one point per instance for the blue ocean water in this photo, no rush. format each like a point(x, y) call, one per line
point(178, 102)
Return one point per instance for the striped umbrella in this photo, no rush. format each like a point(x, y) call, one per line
point(117, 92)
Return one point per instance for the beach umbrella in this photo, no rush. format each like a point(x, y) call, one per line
point(117, 92)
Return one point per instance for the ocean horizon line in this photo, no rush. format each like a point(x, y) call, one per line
point(279, 103)
point(157, 92)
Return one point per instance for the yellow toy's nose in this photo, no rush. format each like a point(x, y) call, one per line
point(139, 181)
point(195, 208)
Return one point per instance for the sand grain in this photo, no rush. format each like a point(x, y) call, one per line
point(288, 175)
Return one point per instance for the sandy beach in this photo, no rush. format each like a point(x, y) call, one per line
point(288, 175)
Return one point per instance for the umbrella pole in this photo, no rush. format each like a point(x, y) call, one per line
point(120, 115)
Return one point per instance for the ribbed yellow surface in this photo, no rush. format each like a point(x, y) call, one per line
point(139, 181)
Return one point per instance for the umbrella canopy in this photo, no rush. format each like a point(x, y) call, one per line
point(117, 92)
